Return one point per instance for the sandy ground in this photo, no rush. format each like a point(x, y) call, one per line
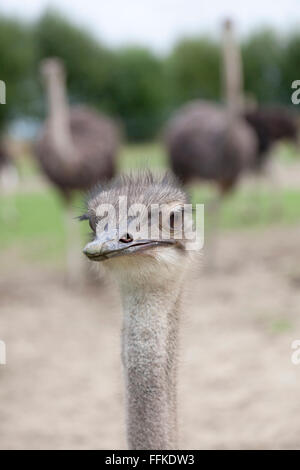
point(62, 385)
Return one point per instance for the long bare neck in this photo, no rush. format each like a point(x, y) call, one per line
point(232, 73)
point(59, 119)
point(149, 353)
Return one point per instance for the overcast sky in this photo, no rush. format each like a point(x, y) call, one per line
point(158, 23)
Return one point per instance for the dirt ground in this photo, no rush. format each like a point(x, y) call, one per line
point(62, 385)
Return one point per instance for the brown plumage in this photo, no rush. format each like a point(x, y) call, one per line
point(216, 144)
point(96, 140)
point(270, 125)
point(77, 146)
point(204, 143)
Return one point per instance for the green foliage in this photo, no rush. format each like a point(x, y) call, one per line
point(138, 91)
point(262, 60)
point(193, 70)
point(89, 64)
point(134, 84)
point(290, 65)
point(126, 83)
point(16, 61)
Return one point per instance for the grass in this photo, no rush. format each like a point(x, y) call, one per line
point(37, 229)
point(137, 156)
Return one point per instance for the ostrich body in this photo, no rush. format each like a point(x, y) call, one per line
point(150, 273)
point(76, 149)
point(204, 143)
point(209, 142)
point(77, 146)
point(270, 124)
point(90, 156)
point(217, 144)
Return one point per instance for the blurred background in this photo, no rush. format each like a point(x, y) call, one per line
point(137, 65)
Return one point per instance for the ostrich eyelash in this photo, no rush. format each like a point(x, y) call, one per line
point(83, 217)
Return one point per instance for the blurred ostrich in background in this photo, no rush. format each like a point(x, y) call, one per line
point(208, 142)
point(270, 124)
point(213, 143)
point(77, 148)
point(218, 144)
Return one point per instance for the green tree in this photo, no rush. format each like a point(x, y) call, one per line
point(138, 91)
point(88, 63)
point(193, 70)
point(263, 62)
point(16, 62)
point(291, 65)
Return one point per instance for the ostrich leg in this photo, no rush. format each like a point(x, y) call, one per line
point(9, 181)
point(75, 262)
point(212, 226)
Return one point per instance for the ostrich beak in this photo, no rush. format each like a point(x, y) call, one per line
point(108, 245)
point(103, 244)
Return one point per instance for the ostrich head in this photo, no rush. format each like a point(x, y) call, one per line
point(146, 240)
point(52, 67)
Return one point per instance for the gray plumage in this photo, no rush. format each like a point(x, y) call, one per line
point(151, 280)
point(77, 146)
point(203, 142)
point(96, 140)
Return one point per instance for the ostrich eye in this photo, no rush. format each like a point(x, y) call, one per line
point(176, 220)
point(93, 220)
point(167, 221)
point(92, 223)
point(172, 220)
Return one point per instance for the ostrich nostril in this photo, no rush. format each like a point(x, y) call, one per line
point(126, 238)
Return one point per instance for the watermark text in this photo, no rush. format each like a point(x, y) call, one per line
point(2, 92)
point(2, 353)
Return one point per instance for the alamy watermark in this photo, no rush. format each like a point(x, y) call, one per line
point(296, 94)
point(295, 357)
point(158, 222)
point(2, 353)
point(2, 92)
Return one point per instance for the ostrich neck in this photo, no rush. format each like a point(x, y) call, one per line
point(232, 75)
point(59, 119)
point(149, 353)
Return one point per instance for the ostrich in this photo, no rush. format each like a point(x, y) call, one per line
point(270, 124)
point(209, 142)
point(218, 144)
point(150, 273)
point(77, 148)
point(213, 143)
point(206, 142)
